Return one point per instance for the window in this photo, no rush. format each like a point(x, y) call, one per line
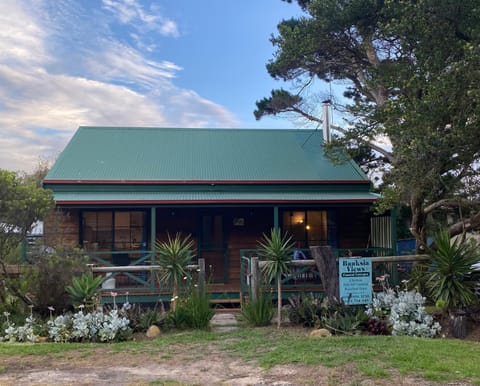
point(308, 227)
point(113, 230)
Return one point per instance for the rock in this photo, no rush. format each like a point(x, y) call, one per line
point(320, 333)
point(41, 339)
point(153, 332)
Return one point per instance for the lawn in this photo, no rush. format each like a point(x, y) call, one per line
point(201, 357)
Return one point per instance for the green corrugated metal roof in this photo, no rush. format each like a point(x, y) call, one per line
point(199, 196)
point(172, 154)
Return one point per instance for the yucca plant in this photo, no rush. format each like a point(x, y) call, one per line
point(449, 275)
point(174, 255)
point(277, 250)
point(84, 289)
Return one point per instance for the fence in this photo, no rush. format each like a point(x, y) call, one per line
point(305, 276)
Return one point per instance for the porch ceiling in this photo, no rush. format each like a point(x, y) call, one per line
point(80, 198)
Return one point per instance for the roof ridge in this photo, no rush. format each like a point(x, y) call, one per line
point(194, 128)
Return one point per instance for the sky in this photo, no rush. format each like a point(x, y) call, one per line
point(170, 63)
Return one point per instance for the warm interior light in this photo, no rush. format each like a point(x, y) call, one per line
point(307, 227)
point(297, 217)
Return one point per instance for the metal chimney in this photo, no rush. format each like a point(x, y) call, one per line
point(326, 121)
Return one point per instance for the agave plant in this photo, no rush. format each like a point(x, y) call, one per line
point(84, 289)
point(174, 255)
point(450, 272)
point(277, 250)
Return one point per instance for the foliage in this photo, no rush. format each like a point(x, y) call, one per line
point(142, 318)
point(378, 326)
point(449, 275)
point(84, 289)
point(316, 311)
point(409, 70)
point(22, 203)
point(192, 312)
point(46, 279)
point(151, 317)
point(277, 250)
point(305, 309)
point(418, 279)
point(340, 318)
point(95, 326)
point(174, 255)
point(258, 312)
point(405, 312)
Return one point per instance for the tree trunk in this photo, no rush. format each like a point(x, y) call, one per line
point(418, 225)
point(458, 325)
point(279, 300)
point(328, 268)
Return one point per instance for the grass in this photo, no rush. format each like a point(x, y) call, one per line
point(375, 357)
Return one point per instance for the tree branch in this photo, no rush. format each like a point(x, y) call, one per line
point(468, 224)
point(388, 155)
point(447, 202)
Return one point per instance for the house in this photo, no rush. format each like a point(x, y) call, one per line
point(118, 189)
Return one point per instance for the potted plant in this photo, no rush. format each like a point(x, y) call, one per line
point(277, 250)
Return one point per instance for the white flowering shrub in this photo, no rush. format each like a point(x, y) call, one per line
point(60, 328)
point(405, 311)
point(23, 333)
point(79, 327)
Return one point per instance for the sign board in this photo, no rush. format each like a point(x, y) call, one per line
point(355, 280)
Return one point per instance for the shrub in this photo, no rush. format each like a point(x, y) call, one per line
point(258, 312)
point(89, 327)
point(79, 327)
point(151, 317)
point(405, 312)
point(142, 318)
point(84, 290)
point(193, 311)
point(47, 278)
point(305, 309)
point(378, 326)
point(340, 318)
point(449, 276)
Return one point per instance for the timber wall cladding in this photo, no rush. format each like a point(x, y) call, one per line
point(62, 228)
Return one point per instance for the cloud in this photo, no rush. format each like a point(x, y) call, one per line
point(48, 89)
point(133, 13)
point(119, 62)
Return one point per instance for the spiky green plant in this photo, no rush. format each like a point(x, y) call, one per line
point(84, 289)
point(258, 312)
point(449, 275)
point(277, 250)
point(174, 255)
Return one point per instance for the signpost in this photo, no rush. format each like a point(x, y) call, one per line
point(355, 280)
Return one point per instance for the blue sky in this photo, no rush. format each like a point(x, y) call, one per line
point(185, 63)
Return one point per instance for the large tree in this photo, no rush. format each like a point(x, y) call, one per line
point(411, 74)
point(22, 203)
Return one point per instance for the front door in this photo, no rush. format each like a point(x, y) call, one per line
point(213, 248)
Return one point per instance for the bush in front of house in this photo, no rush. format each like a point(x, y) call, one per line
point(305, 309)
point(97, 326)
point(48, 275)
point(405, 312)
point(258, 312)
point(191, 312)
